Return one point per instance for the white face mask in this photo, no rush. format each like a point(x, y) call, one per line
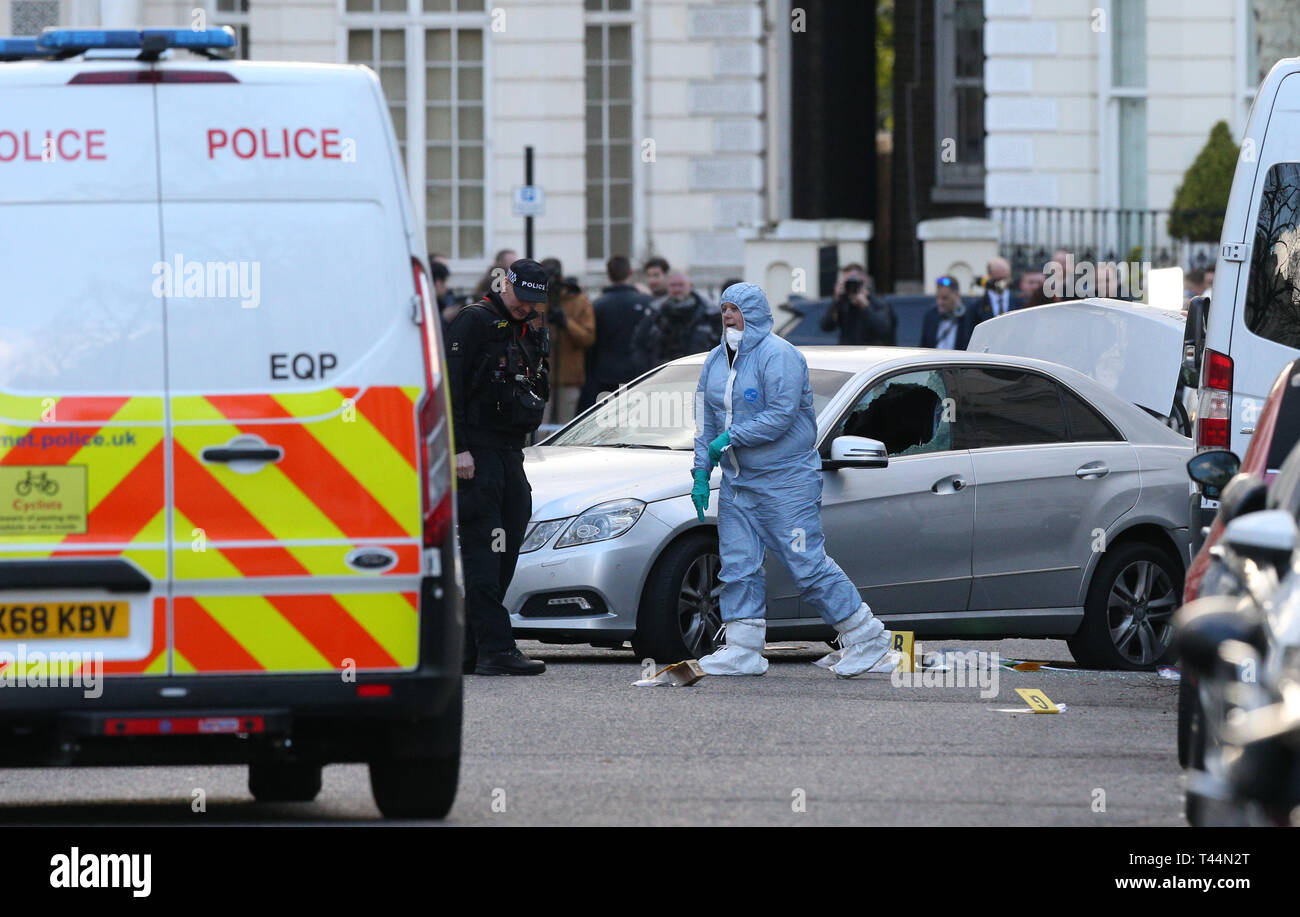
point(732, 337)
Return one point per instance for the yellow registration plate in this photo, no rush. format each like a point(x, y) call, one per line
point(64, 620)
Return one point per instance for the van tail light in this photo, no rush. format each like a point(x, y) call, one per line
point(435, 413)
point(1214, 413)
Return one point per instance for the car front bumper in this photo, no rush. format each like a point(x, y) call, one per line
point(607, 575)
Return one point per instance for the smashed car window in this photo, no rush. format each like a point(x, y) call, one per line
point(910, 413)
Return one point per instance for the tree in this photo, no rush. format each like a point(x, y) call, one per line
point(1202, 198)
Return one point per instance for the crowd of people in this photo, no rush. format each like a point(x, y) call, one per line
point(640, 321)
point(633, 325)
point(861, 317)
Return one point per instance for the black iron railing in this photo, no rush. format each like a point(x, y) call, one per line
point(1030, 236)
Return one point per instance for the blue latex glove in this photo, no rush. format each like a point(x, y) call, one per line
point(716, 447)
point(700, 492)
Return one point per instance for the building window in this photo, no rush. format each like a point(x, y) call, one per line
point(233, 13)
point(384, 51)
point(1128, 91)
point(454, 130)
point(430, 60)
point(959, 100)
point(610, 34)
point(1132, 154)
point(31, 17)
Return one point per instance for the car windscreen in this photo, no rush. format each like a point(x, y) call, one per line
point(659, 411)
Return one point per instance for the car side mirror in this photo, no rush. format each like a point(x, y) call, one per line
point(1266, 537)
point(856, 452)
point(1244, 495)
point(1213, 470)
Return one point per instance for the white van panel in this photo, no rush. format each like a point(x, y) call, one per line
point(97, 142)
point(80, 240)
point(80, 319)
point(325, 298)
point(290, 140)
point(1257, 359)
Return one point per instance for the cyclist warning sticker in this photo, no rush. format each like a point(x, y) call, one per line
point(42, 500)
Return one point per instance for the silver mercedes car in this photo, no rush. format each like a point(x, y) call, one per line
point(967, 495)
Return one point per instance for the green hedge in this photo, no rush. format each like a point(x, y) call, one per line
point(1202, 198)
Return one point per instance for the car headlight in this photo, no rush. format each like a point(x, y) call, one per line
point(539, 534)
point(600, 523)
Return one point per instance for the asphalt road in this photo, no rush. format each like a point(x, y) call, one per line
point(580, 745)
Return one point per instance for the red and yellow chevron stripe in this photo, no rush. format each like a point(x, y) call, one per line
point(350, 471)
point(295, 633)
point(348, 477)
point(125, 479)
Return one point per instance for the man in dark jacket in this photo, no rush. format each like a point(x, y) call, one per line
point(945, 326)
point(860, 317)
point(684, 322)
point(998, 297)
point(498, 373)
point(619, 309)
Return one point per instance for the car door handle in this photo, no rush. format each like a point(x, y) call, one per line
point(242, 454)
point(949, 485)
point(1091, 471)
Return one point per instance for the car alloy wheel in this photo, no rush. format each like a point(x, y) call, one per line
point(699, 604)
point(1140, 611)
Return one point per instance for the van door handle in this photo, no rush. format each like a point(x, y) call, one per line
point(1091, 471)
point(949, 485)
point(242, 454)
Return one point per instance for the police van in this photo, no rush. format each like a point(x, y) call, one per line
point(1242, 336)
point(227, 530)
point(1253, 324)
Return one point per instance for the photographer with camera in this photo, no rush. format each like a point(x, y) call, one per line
point(498, 373)
point(998, 299)
point(860, 317)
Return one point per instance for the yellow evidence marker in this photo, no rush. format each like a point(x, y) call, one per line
point(1038, 701)
point(901, 641)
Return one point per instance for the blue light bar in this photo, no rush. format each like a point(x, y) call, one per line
point(66, 41)
point(85, 39)
point(191, 38)
point(20, 48)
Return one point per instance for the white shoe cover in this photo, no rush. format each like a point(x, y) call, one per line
point(830, 659)
point(865, 659)
point(865, 645)
point(743, 652)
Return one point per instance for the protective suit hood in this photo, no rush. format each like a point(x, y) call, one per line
point(753, 305)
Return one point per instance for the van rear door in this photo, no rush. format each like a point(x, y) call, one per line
point(83, 559)
point(1264, 214)
point(295, 374)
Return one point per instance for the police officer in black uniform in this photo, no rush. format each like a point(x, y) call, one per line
point(497, 368)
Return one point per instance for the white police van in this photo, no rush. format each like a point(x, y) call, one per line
point(1252, 329)
point(1253, 326)
point(227, 525)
